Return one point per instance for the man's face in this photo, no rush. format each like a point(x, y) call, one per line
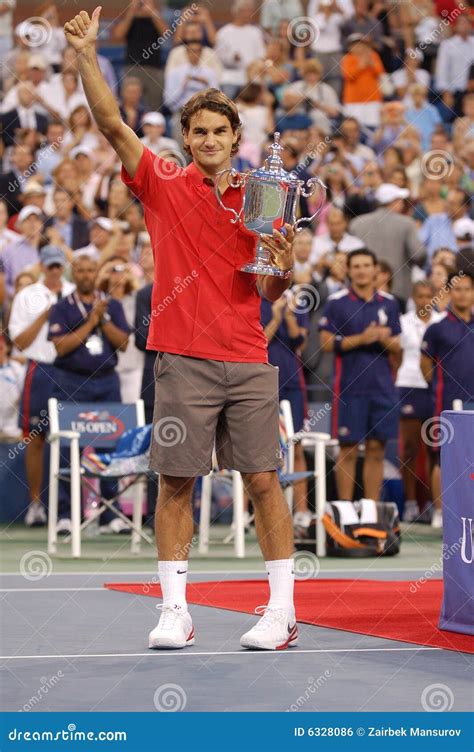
point(336, 225)
point(22, 158)
point(84, 272)
point(31, 226)
point(350, 132)
point(362, 270)
point(52, 274)
point(63, 203)
point(302, 246)
point(422, 298)
point(462, 294)
point(210, 139)
point(192, 36)
point(55, 134)
point(99, 236)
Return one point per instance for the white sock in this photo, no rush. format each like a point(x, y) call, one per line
point(173, 576)
point(281, 576)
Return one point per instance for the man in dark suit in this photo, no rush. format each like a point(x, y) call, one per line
point(73, 229)
point(11, 182)
point(23, 116)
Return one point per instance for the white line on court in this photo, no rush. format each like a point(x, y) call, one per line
point(48, 589)
point(212, 652)
point(217, 571)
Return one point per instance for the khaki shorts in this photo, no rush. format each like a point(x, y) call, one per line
point(199, 402)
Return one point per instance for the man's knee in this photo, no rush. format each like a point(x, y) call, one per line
point(375, 449)
point(260, 485)
point(175, 488)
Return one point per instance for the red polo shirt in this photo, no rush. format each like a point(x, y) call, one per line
point(203, 306)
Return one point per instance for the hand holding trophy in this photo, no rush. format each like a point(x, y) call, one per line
point(270, 201)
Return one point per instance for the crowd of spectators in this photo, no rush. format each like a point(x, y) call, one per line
point(375, 98)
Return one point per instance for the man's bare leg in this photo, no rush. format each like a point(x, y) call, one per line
point(34, 454)
point(272, 516)
point(373, 468)
point(346, 470)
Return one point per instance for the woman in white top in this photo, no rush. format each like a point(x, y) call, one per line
point(414, 393)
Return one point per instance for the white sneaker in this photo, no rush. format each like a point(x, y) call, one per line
point(302, 519)
point(174, 630)
point(64, 526)
point(35, 516)
point(117, 525)
point(437, 519)
point(276, 630)
point(411, 511)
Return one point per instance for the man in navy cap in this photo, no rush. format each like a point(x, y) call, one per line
point(87, 329)
point(28, 329)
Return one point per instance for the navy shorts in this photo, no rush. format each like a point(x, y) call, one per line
point(38, 388)
point(415, 403)
point(296, 397)
point(357, 417)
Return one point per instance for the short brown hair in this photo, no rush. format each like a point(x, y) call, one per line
point(215, 101)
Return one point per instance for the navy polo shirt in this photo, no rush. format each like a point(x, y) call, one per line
point(450, 343)
point(366, 369)
point(281, 350)
point(65, 317)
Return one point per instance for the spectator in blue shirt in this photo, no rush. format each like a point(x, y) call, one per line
point(361, 326)
point(447, 360)
point(87, 329)
point(423, 115)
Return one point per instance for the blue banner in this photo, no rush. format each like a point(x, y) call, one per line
point(457, 480)
point(236, 732)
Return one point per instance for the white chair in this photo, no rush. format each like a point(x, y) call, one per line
point(76, 425)
point(238, 507)
point(317, 441)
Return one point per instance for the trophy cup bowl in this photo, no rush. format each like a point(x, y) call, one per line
point(270, 200)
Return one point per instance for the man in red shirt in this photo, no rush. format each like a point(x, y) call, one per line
point(213, 379)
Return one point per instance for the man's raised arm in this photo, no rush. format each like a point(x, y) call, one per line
point(81, 33)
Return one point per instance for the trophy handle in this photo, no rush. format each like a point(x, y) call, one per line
point(234, 180)
point(311, 184)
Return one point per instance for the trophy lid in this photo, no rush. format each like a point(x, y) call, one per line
point(273, 165)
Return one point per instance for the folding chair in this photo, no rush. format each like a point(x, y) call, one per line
point(90, 424)
point(288, 477)
point(238, 503)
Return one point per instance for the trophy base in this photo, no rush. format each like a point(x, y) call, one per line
point(263, 268)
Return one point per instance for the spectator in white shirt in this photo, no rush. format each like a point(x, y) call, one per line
point(187, 79)
point(414, 394)
point(410, 73)
point(52, 34)
point(327, 42)
point(317, 97)
point(455, 58)
point(89, 178)
point(153, 126)
point(273, 12)
point(336, 239)
point(37, 75)
point(178, 55)
point(238, 44)
point(28, 330)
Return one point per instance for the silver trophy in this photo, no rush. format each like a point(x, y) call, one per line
point(270, 201)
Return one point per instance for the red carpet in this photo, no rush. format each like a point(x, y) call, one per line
point(401, 610)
